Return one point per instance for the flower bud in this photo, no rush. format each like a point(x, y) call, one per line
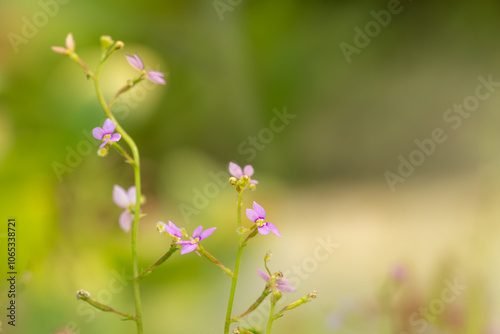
point(268, 256)
point(251, 186)
point(233, 180)
point(82, 294)
point(102, 152)
point(119, 45)
point(106, 42)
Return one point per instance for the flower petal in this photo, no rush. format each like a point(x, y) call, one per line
point(285, 288)
point(98, 133)
point(235, 170)
point(254, 181)
point(126, 220)
point(252, 215)
point(156, 77)
point(273, 229)
point(172, 229)
point(135, 61)
point(263, 229)
point(189, 248)
point(120, 197)
point(207, 232)
point(109, 126)
point(259, 210)
point(103, 143)
point(197, 232)
point(115, 137)
point(70, 42)
point(132, 195)
point(248, 170)
point(59, 49)
point(263, 275)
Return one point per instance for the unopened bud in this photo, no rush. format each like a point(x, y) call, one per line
point(268, 256)
point(251, 186)
point(119, 45)
point(106, 42)
point(82, 294)
point(245, 178)
point(233, 180)
point(102, 152)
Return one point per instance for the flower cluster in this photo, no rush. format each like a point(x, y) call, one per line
point(241, 178)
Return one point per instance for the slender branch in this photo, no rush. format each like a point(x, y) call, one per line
point(85, 296)
point(236, 269)
point(212, 259)
point(259, 300)
point(172, 250)
point(137, 179)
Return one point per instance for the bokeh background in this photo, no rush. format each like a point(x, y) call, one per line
point(375, 255)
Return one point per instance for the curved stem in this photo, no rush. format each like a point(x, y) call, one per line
point(137, 179)
point(234, 281)
point(164, 258)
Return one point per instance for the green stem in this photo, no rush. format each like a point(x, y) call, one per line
point(259, 300)
point(212, 259)
point(172, 250)
point(137, 179)
point(236, 269)
point(85, 296)
point(271, 315)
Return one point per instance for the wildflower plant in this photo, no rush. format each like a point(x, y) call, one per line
point(111, 134)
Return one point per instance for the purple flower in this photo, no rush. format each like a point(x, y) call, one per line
point(198, 235)
point(125, 200)
point(106, 133)
point(281, 283)
point(236, 171)
point(171, 229)
point(70, 46)
point(258, 215)
point(154, 76)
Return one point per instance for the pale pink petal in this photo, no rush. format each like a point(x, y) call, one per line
point(263, 275)
point(235, 170)
point(172, 229)
point(115, 137)
point(120, 197)
point(197, 232)
point(207, 232)
point(132, 195)
point(103, 143)
point(70, 42)
point(189, 248)
point(156, 77)
point(254, 181)
point(252, 215)
point(273, 229)
point(126, 220)
point(285, 287)
point(59, 49)
point(135, 61)
point(109, 126)
point(248, 170)
point(263, 229)
point(98, 133)
point(259, 210)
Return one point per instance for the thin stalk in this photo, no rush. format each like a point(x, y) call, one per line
point(172, 250)
point(137, 179)
point(212, 259)
point(234, 281)
point(271, 315)
point(259, 300)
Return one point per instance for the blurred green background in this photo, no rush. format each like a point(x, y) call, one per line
point(322, 177)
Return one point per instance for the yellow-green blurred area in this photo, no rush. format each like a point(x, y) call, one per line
point(373, 128)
